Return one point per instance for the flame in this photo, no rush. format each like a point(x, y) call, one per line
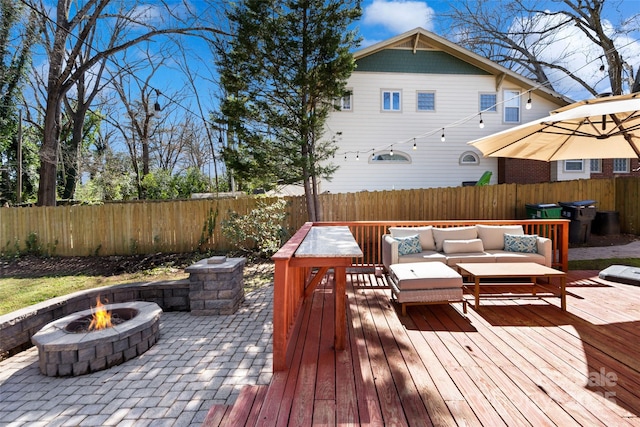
point(101, 318)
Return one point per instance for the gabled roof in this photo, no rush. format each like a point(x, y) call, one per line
point(421, 39)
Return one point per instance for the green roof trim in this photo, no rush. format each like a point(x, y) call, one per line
point(422, 62)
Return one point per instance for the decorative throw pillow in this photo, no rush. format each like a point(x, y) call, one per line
point(527, 243)
point(462, 246)
point(409, 245)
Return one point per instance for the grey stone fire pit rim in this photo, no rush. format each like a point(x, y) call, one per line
point(56, 338)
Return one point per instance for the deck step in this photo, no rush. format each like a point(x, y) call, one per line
point(216, 415)
point(246, 409)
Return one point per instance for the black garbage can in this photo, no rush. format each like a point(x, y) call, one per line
point(581, 213)
point(606, 223)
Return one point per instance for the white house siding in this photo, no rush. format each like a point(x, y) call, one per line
point(558, 172)
point(434, 163)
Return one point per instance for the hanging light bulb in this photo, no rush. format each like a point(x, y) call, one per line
point(481, 124)
point(358, 155)
point(528, 106)
point(156, 105)
point(415, 147)
point(442, 138)
point(391, 151)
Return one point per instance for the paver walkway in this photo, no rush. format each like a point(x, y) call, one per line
point(630, 250)
point(199, 361)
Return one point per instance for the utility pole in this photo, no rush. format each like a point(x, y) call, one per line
point(19, 160)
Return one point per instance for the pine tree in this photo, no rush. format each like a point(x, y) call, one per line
point(281, 72)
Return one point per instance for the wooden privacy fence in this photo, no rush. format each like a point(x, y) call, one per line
point(186, 225)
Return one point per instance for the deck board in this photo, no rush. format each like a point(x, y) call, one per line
point(516, 360)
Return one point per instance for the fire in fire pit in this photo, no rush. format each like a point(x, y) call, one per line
point(69, 347)
point(101, 318)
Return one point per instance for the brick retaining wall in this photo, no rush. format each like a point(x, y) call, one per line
point(17, 328)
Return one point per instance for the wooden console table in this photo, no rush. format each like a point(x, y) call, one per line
point(515, 270)
point(330, 247)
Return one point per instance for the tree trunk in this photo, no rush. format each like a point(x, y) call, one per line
point(316, 198)
point(73, 163)
point(308, 194)
point(49, 151)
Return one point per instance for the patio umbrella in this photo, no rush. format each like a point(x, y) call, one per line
point(600, 128)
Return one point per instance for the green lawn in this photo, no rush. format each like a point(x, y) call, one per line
point(601, 264)
point(19, 293)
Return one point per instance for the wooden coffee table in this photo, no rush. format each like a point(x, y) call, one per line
point(512, 270)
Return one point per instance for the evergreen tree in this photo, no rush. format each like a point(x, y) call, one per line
point(281, 73)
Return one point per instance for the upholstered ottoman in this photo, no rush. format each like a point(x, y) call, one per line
point(425, 283)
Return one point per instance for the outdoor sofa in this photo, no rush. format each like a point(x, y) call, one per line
point(452, 245)
point(407, 252)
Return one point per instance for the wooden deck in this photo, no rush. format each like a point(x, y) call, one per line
point(516, 361)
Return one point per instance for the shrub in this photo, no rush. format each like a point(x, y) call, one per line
point(260, 230)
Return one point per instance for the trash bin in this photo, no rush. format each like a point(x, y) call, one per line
point(581, 213)
point(543, 211)
point(606, 223)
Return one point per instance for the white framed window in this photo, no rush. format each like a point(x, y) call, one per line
point(574, 166)
point(469, 158)
point(595, 165)
point(620, 165)
point(389, 156)
point(391, 100)
point(426, 100)
point(488, 102)
point(511, 100)
point(346, 102)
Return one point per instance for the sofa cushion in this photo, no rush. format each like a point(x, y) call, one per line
point(428, 275)
point(507, 256)
point(424, 256)
point(455, 259)
point(453, 233)
point(521, 243)
point(425, 233)
point(462, 246)
point(493, 235)
point(409, 245)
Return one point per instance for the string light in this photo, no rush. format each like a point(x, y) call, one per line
point(358, 155)
point(528, 106)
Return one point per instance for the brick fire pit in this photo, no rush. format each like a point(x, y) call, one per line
point(63, 352)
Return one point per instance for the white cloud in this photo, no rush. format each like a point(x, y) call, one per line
point(399, 15)
point(570, 48)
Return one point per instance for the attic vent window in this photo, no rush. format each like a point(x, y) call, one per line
point(386, 157)
point(469, 158)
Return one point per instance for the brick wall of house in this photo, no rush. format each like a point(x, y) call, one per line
point(517, 171)
point(607, 169)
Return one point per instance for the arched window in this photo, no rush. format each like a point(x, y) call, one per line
point(469, 158)
point(389, 156)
